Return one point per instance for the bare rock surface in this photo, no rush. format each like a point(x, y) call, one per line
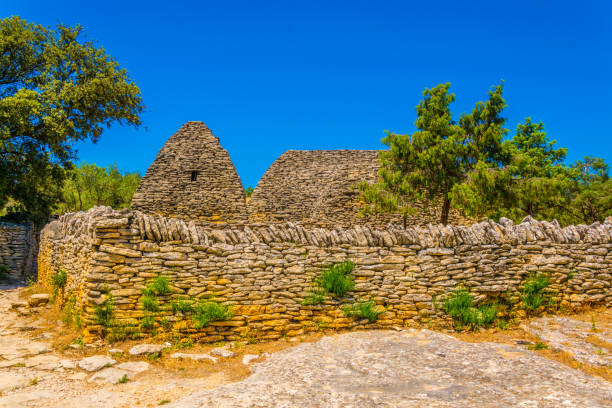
point(134, 366)
point(95, 363)
point(111, 375)
point(194, 356)
point(406, 369)
point(222, 352)
point(148, 349)
point(573, 336)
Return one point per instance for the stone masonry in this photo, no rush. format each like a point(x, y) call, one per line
point(192, 177)
point(18, 249)
point(265, 272)
point(318, 188)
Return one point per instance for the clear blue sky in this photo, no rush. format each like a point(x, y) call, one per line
point(271, 76)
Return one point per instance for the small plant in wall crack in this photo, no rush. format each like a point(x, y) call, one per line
point(533, 296)
point(150, 302)
point(336, 280)
point(202, 311)
point(58, 281)
point(364, 310)
point(459, 306)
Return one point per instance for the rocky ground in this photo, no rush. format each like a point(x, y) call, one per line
point(402, 368)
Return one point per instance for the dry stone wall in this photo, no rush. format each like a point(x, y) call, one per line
point(317, 188)
point(266, 271)
point(18, 249)
point(192, 177)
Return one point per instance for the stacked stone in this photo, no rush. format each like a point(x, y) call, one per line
point(18, 249)
point(192, 177)
point(265, 271)
point(317, 188)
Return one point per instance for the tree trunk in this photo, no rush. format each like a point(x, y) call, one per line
point(445, 211)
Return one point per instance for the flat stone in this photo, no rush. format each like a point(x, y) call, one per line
point(247, 358)
point(38, 299)
point(43, 362)
point(134, 366)
point(222, 352)
point(115, 351)
point(95, 363)
point(12, 363)
point(148, 349)
point(78, 376)
point(196, 357)
point(19, 304)
point(110, 375)
point(26, 398)
point(15, 347)
point(69, 364)
point(10, 381)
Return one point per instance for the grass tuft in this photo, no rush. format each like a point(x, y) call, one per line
point(337, 279)
point(365, 310)
point(459, 306)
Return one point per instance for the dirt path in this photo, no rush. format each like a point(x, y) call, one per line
point(403, 368)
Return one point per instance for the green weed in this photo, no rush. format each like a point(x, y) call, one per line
point(537, 346)
point(207, 312)
point(4, 272)
point(459, 306)
point(182, 306)
point(364, 310)
point(532, 296)
point(337, 279)
point(104, 312)
point(315, 297)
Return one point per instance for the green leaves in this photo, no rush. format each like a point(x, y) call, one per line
point(429, 163)
point(55, 89)
point(89, 185)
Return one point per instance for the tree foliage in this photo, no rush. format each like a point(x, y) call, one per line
point(469, 165)
point(55, 89)
point(89, 185)
point(430, 163)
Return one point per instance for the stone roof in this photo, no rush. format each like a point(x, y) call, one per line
point(317, 188)
point(192, 177)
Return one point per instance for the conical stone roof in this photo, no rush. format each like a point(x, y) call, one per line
point(192, 177)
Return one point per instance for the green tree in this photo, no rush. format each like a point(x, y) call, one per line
point(89, 185)
point(430, 163)
point(537, 182)
point(55, 89)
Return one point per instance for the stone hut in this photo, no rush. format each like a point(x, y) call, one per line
point(314, 187)
point(192, 177)
point(318, 188)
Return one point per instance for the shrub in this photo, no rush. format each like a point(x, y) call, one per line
point(182, 306)
point(148, 322)
point(315, 297)
point(150, 304)
point(364, 310)
point(459, 306)
point(532, 295)
point(337, 279)
point(161, 285)
point(4, 272)
point(104, 312)
point(70, 315)
point(59, 279)
point(207, 312)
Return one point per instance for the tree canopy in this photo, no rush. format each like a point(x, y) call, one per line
point(470, 165)
point(89, 185)
point(55, 89)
